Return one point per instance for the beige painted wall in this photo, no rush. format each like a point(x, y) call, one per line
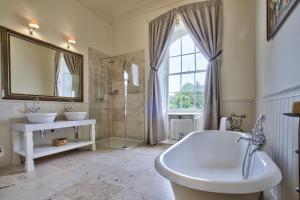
point(57, 20)
point(278, 60)
point(70, 18)
point(238, 70)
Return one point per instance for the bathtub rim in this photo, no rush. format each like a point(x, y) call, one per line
point(269, 179)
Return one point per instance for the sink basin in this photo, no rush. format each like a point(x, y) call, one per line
point(75, 116)
point(40, 118)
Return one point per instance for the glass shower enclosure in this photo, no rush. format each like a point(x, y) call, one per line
point(114, 92)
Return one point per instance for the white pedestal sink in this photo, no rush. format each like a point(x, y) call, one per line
point(75, 116)
point(40, 118)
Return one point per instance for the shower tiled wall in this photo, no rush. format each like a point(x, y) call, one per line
point(110, 113)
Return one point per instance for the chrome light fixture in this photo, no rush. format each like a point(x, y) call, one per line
point(33, 25)
point(71, 40)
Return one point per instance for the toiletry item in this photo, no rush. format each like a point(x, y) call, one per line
point(296, 107)
point(60, 142)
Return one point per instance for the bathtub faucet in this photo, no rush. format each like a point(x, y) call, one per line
point(258, 137)
point(256, 142)
point(258, 126)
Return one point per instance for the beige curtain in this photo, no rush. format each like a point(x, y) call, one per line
point(160, 33)
point(74, 65)
point(204, 22)
point(57, 70)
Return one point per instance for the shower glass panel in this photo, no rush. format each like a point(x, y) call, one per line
point(117, 101)
point(98, 99)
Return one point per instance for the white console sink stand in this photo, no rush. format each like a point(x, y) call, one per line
point(30, 152)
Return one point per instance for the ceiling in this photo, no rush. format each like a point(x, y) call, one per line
point(111, 9)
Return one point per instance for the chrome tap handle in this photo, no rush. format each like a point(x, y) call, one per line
point(259, 140)
point(258, 136)
point(259, 121)
point(35, 108)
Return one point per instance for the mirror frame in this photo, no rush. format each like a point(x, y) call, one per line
point(6, 68)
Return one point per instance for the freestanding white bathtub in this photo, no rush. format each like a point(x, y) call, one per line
point(208, 166)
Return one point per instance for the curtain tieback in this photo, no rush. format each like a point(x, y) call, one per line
point(216, 56)
point(153, 68)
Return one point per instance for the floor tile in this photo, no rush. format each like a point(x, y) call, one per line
point(26, 189)
point(105, 174)
point(91, 190)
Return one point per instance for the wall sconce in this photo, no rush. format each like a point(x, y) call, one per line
point(71, 40)
point(33, 25)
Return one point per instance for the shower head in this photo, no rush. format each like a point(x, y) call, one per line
point(108, 59)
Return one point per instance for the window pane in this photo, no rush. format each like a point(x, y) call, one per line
point(199, 100)
point(174, 101)
point(186, 91)
point(174, 83)
point(188, 63)
point(200, 81)
point(175, 65)
point(188, 45)
point(187, 99)
point(201, 62)
point(187, 82)
point(174, 49)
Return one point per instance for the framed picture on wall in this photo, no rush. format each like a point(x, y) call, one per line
point(277, 12)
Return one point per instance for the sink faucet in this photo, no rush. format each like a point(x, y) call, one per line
point(68, 108)
point(35, 108)
point(257, 139)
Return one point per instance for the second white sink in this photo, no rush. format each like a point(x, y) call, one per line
point(40, 118)
point(75, 116)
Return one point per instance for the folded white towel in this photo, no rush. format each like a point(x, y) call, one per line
point(224, 124)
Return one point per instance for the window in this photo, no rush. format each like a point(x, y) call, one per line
point(65, 80)
point(187, 71)
point(67, 85)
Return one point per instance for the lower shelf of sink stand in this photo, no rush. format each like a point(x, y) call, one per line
point(45, 150)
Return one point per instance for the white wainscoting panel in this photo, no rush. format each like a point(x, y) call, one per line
point(282, 140)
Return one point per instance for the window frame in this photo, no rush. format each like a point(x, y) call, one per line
point(179, 35)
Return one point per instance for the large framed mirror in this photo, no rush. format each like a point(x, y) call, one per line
point(32, 68)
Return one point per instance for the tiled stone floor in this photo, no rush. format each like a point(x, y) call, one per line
point(106, 174)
